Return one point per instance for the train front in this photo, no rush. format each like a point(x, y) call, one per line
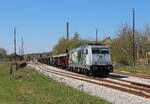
point(101, 60)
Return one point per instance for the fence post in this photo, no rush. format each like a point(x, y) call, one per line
point(11, 70)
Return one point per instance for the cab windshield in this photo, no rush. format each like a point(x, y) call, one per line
point(100, 51)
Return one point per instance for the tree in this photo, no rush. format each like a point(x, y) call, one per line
point(145, 41)
point(121, 47)
point(61, 46)
point(3, 52)
point(64, 44)
point(147, 31)
point(76, 36)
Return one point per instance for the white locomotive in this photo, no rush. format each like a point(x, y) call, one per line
point(91, 59)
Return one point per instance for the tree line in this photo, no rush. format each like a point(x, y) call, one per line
point(121, 46)
point(64, 45)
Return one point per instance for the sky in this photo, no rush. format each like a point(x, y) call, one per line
point(42, 22)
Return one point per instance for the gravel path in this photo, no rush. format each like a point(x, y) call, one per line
point(111, 95)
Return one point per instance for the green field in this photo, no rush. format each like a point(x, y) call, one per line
point(138, 69)
point(27, 86)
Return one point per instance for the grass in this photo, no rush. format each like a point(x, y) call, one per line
point(26, 86)
point(143, 69)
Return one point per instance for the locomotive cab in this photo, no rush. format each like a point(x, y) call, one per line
point(101, 60)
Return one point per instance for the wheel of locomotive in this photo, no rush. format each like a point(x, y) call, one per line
point(87, 72)
point(81, 70)
point(74, 69)
point(70, 69)
point(84, 71)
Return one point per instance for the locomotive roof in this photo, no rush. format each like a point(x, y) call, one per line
point(96, 44)
point(84, 46)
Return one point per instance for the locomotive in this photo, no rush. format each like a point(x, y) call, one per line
point(90, 59)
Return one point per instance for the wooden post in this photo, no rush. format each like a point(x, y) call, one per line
point(11, 70)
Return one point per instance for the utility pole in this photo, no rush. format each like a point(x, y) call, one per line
point(96, 36)
point(133, 32)
point(67, 30)
point(19, 50)
point(22, 48)
point(15, 48)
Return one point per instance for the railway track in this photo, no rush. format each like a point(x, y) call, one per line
point(102, 79)
point(132, 83)
point(133, 75)
point(138, 89)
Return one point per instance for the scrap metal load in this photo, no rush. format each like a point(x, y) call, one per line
point(87, 59)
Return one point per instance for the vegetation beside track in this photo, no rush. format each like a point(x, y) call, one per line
point(143, 69)
point(26, 86)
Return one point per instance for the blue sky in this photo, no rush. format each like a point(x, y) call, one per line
point(42, 22)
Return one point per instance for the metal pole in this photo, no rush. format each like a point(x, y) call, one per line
point(134, 63)
point(22, 48)
point(15, 47)
point(67, 29)
point(96, 36)
point(19, 50)
point(137, 54)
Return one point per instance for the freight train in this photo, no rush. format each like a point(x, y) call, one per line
point(90, 59)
